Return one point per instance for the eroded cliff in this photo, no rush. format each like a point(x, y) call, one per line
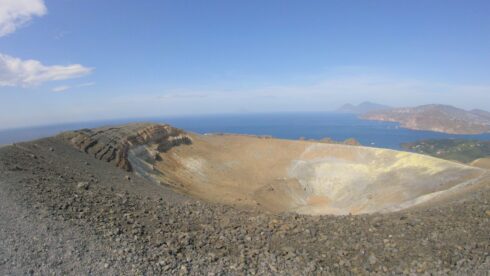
point(113, 144)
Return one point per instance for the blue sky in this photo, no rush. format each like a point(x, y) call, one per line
point(77, 60)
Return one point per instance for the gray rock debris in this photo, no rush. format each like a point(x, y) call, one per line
point(83, 185)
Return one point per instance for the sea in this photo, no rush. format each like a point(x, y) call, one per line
point(279, 125)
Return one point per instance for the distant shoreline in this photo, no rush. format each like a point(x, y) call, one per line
point(291, 126)
point(406, 126)
point(435, 117)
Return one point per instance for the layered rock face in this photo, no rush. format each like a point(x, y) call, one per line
point(113, 144)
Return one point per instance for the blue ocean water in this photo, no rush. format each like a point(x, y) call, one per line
point(280, 125)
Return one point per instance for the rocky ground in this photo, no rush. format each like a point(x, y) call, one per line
point(64, 212)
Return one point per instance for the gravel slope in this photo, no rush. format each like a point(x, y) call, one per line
point(63, 212)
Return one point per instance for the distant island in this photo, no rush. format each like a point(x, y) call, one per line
point(435, 117)
point(362, 108)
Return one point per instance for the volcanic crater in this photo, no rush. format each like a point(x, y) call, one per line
point(276, 175)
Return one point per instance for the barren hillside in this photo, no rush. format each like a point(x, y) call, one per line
point(440, 118)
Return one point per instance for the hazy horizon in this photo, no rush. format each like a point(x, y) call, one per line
point(78, 61)
point(154, 118)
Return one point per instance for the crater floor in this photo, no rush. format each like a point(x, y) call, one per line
point(309, 177)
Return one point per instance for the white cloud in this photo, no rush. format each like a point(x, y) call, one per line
point(15, 13)
point(183, 95)
point(66, 87)
point(17, 72)
point(61, 88)
point(86, 84)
